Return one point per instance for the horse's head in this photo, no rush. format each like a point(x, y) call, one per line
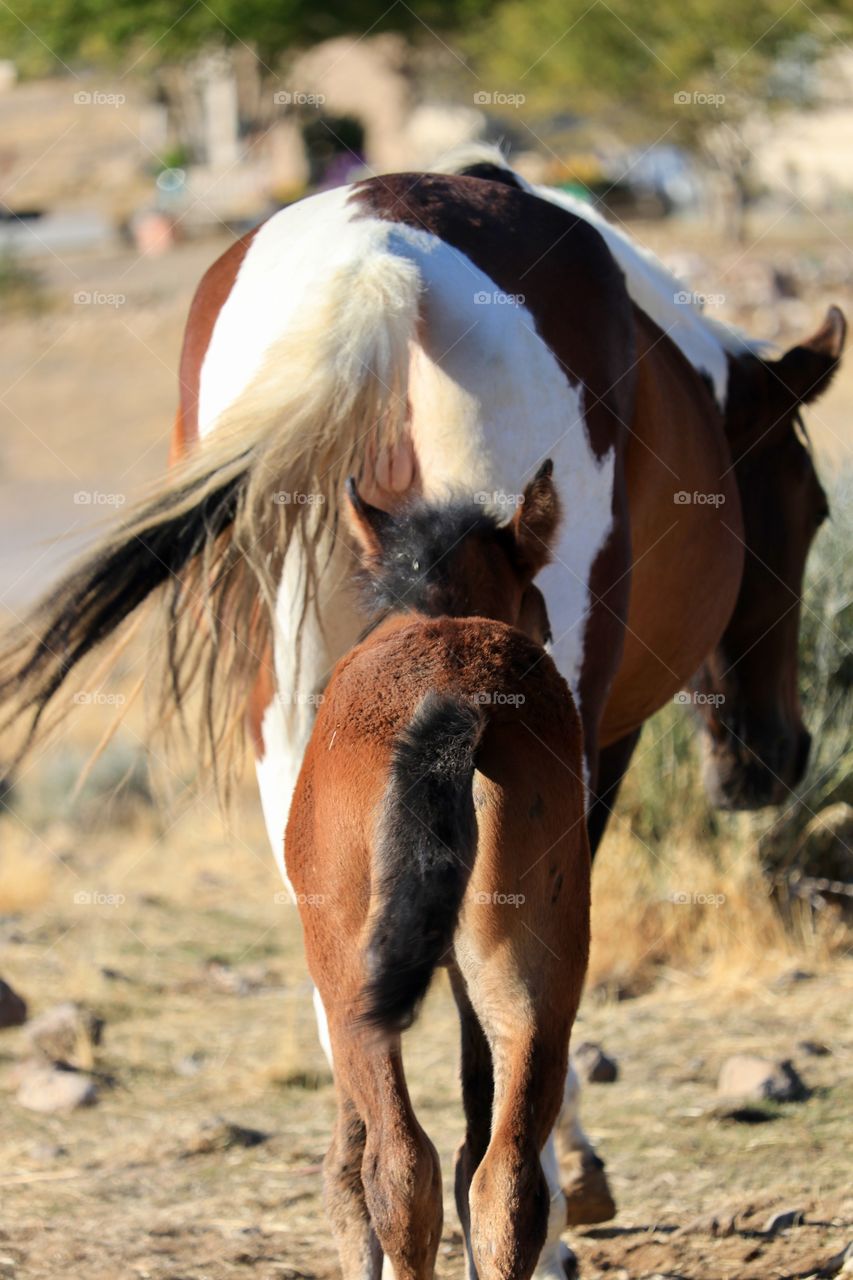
point(757, 744)
point(455, 558)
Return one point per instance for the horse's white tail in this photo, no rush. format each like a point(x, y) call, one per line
point(212, 536)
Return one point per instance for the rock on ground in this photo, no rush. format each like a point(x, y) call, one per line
point(594, 1065)
point(13, 1008)
point(66, 1033)
point(746, 1075)
point(51, 1088)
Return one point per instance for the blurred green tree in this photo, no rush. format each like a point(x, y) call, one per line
point(42, 35)
point(702, 73)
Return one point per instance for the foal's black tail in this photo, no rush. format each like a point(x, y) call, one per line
point(425, 853)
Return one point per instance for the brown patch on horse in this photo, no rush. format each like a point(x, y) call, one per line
point(687, 554)
point(210, 296)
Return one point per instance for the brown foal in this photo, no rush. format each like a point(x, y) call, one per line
point(439, 820)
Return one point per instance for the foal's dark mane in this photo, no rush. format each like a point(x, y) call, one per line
point(418, 569)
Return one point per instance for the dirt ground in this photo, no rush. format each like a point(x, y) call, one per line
point(196, 966)
point(200, 979)
point(198, 973)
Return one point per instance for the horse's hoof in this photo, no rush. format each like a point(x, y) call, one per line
point(587, 1191)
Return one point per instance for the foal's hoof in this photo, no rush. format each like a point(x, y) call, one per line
point(587, 1191)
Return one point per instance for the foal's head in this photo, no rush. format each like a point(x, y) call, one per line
point(456, 559)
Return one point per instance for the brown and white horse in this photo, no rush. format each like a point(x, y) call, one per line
point(433, 824)
point(435, 333)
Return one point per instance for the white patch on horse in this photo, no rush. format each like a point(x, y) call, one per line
point(300, 678)
point(489, 401)
point(283, 272)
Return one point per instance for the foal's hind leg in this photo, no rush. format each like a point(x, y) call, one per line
point(358, 1248)
point(400, 1172)
point(517, 1212)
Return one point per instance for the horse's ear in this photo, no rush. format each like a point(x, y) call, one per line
point(367, 524)
point(804, 372)
point(535, 523)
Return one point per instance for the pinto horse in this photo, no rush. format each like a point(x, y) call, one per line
point(446, 332)
point(432, 824)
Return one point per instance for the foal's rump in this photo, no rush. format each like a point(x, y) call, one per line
point(441, 816)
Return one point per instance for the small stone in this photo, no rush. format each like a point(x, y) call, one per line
point(840, 1264)
point(783, 1221)
point(13, 1008)
point(710, 1224)
point(593, 1065)
point(746, 1075)
point(51, 1088)
point(815, 1048)
point(222, 1135)
point(191, 1063)
point(66, 1033)
point(223, 978)
point(826, 846)
point(792, 978)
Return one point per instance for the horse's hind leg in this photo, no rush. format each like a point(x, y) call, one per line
point(400, 1172)
point(358, 1248)
point(477, 1095)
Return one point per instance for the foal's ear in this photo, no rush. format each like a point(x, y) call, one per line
point(367, 524)
point(804, 372)
point(535, 523)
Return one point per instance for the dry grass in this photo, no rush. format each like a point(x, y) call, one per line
point(709, 917)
